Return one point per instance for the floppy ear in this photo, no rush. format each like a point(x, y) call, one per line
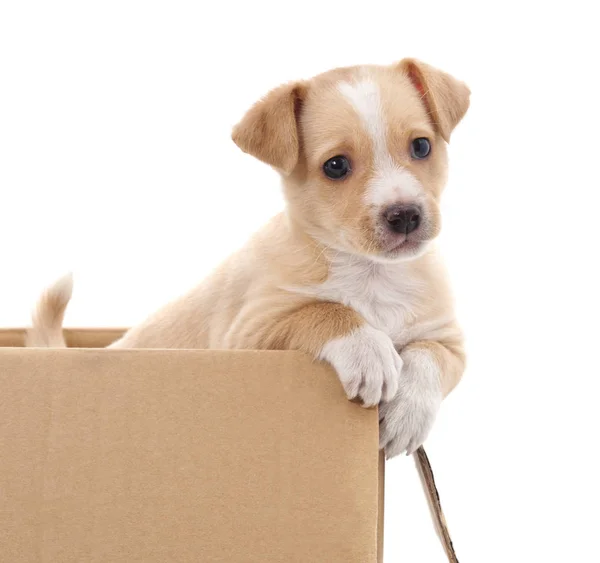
point(445, 98)
point(269, 130)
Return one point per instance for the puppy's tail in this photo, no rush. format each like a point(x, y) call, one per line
point(48, 315)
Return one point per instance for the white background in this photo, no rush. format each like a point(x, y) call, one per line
point(116, 163)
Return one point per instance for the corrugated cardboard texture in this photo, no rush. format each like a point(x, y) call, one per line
point(121, 456)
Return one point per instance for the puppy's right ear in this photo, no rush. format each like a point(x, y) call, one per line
point(269, 130)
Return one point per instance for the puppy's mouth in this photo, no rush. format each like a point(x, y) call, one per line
point(402, 246)
point(384, 246)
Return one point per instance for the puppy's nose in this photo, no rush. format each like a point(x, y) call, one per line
point(403, 218)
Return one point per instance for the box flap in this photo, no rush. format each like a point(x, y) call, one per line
point(75, 338)
point(154, 455)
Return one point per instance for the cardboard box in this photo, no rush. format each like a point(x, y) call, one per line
point(122, 456)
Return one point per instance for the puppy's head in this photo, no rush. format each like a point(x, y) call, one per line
point(362, 151)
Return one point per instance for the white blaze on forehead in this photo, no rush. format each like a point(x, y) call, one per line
point(391, 183)
point(364, 97)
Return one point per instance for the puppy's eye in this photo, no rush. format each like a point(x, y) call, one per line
point(420, 148)
point(336, 167)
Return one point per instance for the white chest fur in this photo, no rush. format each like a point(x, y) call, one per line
point(388, 296)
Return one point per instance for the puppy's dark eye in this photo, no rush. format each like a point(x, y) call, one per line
point(336, 167)
point(420, 148)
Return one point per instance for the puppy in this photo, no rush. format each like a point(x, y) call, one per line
point(348, 272)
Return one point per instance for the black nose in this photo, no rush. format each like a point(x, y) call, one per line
point(403, 218)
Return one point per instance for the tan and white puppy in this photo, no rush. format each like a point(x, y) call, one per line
point(347, 273)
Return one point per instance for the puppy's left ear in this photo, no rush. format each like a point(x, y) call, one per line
point(445, 97)
point(269, 130)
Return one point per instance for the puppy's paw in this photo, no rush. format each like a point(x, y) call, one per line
point(367, 364)
point(406, 420)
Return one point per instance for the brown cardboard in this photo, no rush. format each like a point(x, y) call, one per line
point(122, 456)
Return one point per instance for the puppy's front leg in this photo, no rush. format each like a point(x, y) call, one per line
point(365, 358)
point(431, 370)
